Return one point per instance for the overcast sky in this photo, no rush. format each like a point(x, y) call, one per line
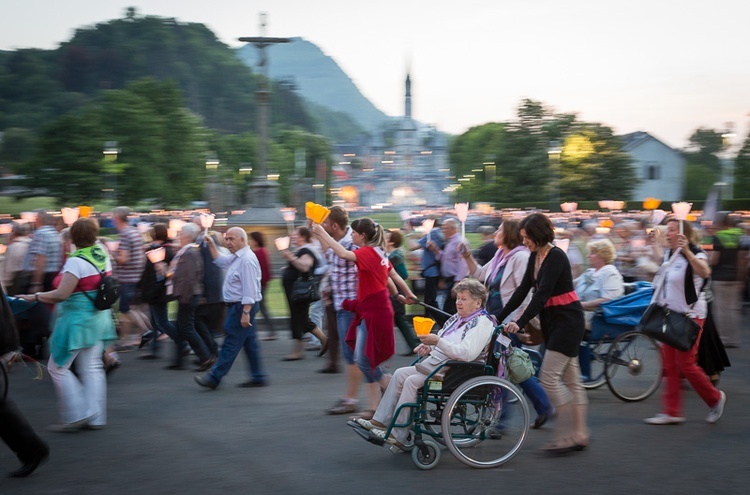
point(662, 66)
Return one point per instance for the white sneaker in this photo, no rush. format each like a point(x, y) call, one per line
point(664, 419)
point(715, 413)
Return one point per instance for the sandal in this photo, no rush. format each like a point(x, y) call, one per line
point(369, 425)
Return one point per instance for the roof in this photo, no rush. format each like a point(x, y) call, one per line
point(635, 139)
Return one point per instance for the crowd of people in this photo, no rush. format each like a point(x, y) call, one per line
point(526, 269)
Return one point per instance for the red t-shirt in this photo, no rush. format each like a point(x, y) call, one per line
point(372, 271)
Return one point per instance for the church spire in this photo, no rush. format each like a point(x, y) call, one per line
point(407, 103)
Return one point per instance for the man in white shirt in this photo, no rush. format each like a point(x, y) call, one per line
point(241, 292)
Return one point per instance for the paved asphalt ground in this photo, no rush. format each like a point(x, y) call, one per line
point(166, 435)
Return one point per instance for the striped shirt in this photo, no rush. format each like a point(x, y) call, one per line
point(343, 273)
point(45, 241)
point(132, 243)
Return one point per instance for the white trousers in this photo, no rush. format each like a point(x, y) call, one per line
point(83, 396)
point(401, 390)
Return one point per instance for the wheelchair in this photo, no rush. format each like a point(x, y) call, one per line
point(482, 419)
point(614, 353)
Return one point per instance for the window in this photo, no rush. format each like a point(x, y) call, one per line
point(652, 171)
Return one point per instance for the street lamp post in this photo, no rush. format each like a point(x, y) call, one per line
point(111, 151)
point(553, 153)
point(212, 165)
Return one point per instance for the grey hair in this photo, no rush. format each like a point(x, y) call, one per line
point(191, 230)
point(121, 213)
point(240, 231)
point(451, 221)
point(473, 286)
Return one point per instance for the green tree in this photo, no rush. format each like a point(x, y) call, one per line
point(591, 164)
point(703, 163)
point(742, 171)
point(162, 149)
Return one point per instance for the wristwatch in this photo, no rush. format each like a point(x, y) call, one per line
point(245, 312)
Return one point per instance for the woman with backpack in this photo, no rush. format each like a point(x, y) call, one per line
point(80, 332)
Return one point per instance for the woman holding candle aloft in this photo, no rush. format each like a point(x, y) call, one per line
point(679, 285)
point(371, 332)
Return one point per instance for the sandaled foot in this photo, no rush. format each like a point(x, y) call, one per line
point(369, 424)
point(559, 447)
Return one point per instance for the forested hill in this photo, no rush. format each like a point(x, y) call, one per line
point(37, 86)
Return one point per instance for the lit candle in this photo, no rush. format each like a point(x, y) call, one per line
point(282, 243)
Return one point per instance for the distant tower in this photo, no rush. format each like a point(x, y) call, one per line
point(407, 109)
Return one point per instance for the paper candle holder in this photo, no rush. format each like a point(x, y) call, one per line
point(422, 325)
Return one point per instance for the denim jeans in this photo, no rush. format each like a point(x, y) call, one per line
point(343, 320)
point(237, 338)
point(372, 375)
point(161, 324)
point(536, 394)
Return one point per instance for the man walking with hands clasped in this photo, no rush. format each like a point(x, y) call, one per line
point(241, 293)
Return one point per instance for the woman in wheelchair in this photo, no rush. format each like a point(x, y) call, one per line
point(464, 337)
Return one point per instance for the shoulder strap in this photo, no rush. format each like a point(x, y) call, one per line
point(102, 274)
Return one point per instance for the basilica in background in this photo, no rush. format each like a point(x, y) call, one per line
point(406, 164)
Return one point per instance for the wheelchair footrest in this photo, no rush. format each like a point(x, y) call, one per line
point(367, 435)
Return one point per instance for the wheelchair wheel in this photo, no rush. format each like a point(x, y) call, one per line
point(485, 422)
point(633, 366)
point(598, 355)
point(426, 460)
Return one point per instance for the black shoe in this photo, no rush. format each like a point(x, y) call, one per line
point(174, 367)
point(329, 370)
point(207, 364)
point(29, 467)
point(146, 338)
point(148, 356)
point(205, 382)
point(252, 384)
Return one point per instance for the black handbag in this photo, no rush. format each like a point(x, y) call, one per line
point(675, 329)
point(306, 289)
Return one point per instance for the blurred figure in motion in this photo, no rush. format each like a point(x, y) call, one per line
point(15, 430)
point(153, 289)
point(186, 272)
point(486, 250)
point(80, 332)
point(728, 264)
point(452, 264)
point(394, 238)
point(258, 245)
point(130, 261)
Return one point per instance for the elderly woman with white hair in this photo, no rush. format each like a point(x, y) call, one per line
point(600, 283)
point(186, 282)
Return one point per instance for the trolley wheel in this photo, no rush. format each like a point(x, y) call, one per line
point(430, 458)
point(485, 422)
point(633, 366)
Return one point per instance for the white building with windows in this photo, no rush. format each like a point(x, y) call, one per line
point(659, 168)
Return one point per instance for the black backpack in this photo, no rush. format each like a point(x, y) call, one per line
point(108, 292)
